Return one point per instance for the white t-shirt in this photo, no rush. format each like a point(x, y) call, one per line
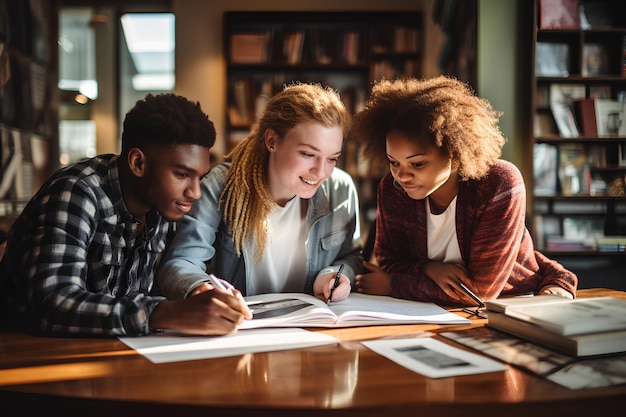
point(443, 245)
point(283, 265)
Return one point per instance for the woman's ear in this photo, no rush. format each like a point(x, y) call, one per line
point(270, 140)
point(137, 162)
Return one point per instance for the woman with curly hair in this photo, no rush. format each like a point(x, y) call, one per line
point(450, 212)
point(277, 216)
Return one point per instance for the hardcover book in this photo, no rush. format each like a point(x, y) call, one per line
point(574, 345)
point(585, 111)
point(559, 14)
point(501, 305)
point(575, 317)
point(250, 48)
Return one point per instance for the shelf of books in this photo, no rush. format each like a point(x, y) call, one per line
point(344, 50)
point(578, 108)
point(28, 119)
point(347, 51)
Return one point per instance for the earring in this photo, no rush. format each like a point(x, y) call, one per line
point(271, 148)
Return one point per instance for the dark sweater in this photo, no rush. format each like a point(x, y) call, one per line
point(495, 245)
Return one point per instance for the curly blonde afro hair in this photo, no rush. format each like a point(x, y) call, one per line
point(442, 112)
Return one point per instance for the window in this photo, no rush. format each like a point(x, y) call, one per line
point(95, 96)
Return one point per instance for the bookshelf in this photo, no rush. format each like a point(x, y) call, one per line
point(578, 78)
point(28, 115)
point(345, 50)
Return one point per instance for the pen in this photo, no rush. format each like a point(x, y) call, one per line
point(330, 297)
point(471, 294)
point(217, 283)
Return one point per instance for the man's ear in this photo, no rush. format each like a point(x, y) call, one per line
point(137, 162)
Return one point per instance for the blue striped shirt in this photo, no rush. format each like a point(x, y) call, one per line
point(74, 262)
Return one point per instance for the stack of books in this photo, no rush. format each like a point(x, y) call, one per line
point(611, 243)
point(581, 327)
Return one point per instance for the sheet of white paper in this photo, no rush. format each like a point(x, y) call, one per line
point(433, 358)
point(171, 347)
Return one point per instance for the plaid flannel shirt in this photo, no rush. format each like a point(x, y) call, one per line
point(74, 263)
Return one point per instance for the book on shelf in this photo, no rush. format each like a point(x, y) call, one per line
point(293, 43)
point(610, 117)
point(611, 243)
point(545, 169)
point(573, 172)
point(566, 93)
point(406, 39)
point(574, 345)
point(595, 60)
point(351, 46)
point(250, 48)
point(563, 244)
point(559, 14)
point(562, 98)
point(501, 305)
point(303, 310)
point(575, 317)
point(551, 59)
point(564, 119)
point(585, 111)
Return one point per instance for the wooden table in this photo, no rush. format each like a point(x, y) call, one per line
point(98, 377)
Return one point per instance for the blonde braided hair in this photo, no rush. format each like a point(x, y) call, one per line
point(246, 198)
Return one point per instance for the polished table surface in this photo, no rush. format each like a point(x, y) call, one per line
point(93, 377)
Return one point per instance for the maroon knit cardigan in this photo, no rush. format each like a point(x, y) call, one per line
point(495, 245)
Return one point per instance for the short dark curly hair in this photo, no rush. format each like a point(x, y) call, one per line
point(167, 119)
point(442, 112)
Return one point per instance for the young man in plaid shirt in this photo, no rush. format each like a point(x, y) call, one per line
point(81, 257)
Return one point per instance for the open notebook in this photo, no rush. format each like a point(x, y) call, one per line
point(303, 310)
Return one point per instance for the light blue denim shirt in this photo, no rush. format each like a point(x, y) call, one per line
point(203, 243)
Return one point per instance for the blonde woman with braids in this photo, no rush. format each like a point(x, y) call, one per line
point(277, 216)
point(450, 212)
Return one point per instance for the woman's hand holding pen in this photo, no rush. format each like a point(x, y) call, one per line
point(324, 285)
